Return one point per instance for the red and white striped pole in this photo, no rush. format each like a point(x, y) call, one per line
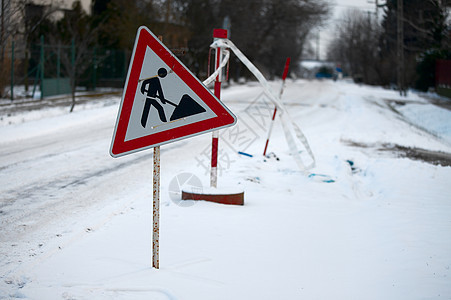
point(217, 34)
point(284, 76)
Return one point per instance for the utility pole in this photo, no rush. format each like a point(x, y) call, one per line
point(377, 11)
point(400, 48)
point(378, 6)
point(317, 46)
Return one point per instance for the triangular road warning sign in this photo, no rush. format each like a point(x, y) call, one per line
point(163, 101)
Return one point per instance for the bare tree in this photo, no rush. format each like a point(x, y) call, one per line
point(77, 31)
point(7, 31)
point(20, 21)
point(268, 31)
point(355, 46)
point(271, 31)
point(34, 17)
point(424, 29)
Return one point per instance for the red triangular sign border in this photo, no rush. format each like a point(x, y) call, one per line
point(224, 118)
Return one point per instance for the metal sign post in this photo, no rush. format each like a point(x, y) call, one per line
point(156, 205)
point(156, 209)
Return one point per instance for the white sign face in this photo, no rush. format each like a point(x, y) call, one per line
point(163, 101)
point(174, 90)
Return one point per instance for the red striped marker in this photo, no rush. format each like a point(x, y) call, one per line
point(217, 34)
point(284, 76)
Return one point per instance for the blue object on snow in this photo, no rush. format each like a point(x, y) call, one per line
point(326, 179)
point(354, 169)
point(245, 154)
point(323, 75)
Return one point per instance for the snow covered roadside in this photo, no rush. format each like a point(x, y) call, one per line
point(380, 231)
point(430, 118)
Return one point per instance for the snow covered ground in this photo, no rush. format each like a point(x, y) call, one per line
point(77, 224)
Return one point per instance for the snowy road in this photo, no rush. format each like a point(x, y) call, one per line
point(381, 230)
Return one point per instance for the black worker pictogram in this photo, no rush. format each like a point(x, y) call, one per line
point(151, 88)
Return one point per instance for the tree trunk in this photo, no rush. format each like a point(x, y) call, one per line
point(73, 102)
point(72, 85)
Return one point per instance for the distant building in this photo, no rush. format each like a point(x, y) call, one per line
point(443, 77)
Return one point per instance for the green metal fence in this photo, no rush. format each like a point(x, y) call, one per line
point(43, 68)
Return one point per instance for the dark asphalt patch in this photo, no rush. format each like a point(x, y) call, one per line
point(432, 157)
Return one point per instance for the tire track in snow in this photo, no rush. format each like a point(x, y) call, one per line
point(31, 193)
point(34, 203)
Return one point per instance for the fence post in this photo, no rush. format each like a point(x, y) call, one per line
point(72, 63)
point(42, 67)
point(72, 53)
point(58, 68)
point(124, 65)
point(94, 70)
point(12, 71)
